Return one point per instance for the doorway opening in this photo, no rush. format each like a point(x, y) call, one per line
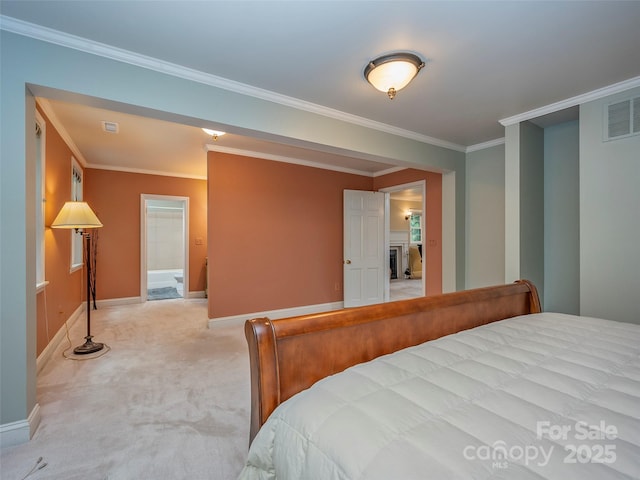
point(164, 247)
point(405, 234)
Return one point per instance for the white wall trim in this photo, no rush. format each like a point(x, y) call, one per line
point(573, 101)
point(45, 105)
point(283, 159)
point(145, 171)
point(483, 145)
point(57, 124)
point(194, 295)
point(16, 433)
point(96, 48)
point(274, 314)
point(145, 198)
point(298, 161)
point(60, 335)
point(391, 170)
point(448, 232)
point(116, 302)
point(49, 35)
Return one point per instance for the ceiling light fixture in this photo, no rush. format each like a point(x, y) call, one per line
point(214, 133)
point(391, 73)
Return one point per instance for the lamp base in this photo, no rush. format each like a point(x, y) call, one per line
point(88, 347)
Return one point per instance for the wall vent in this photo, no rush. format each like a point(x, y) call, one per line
point(110, 127)
point(623, 119)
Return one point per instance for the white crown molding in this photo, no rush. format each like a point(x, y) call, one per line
point(283, 159)
point(483, 145)
point(297, 161)
point(390, 170)
point(146, 172)
point(82, 44)
point(573, 101)
point(57, 124)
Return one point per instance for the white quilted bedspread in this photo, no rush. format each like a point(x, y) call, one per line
point(544, 396)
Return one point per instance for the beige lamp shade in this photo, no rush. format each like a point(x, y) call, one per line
point(76, 215)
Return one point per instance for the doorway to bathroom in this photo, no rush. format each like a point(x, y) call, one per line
point(164, 249)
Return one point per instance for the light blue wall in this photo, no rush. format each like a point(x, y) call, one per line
point(609, 218)
point(532, 205)
point(45, 69)
point(485, 217)
point(591, 200)
point(562, 219)
point(524, 204)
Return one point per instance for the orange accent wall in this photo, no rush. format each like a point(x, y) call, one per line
point(115, 198)
point(275, 234)
point(65, 291)
point(432, 247)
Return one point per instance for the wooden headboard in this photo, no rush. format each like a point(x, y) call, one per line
point(290, 354)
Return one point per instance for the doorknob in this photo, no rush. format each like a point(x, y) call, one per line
point(348, 262)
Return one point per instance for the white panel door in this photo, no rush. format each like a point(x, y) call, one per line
point(364, 259)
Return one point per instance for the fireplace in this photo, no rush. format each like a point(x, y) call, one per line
point(396, 262)
point(393, 263)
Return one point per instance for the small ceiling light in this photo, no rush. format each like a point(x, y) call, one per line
point(391, 73)
point(214, 133)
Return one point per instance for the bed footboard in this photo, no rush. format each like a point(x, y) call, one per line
point(290, 354)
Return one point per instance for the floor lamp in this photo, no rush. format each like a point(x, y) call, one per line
point(79, 216)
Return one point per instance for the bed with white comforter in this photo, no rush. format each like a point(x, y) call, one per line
point(541, 396)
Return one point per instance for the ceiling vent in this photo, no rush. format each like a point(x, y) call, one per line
point(110, 127)
point(623, 119)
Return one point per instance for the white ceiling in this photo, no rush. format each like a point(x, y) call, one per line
point(486, 61)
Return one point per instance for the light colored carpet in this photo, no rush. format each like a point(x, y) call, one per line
point(402, 289)
point(170, 400)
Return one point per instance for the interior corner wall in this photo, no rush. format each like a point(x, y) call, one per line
point(18, 272)
point(532, 205)
point(609, 217)
point(512, 203)
point(524, 204)
point(275, 234)
point(65, 291)
point(115, 197)
point(562, 218)
point(485, 187)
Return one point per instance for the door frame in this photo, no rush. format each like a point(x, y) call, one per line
point(144, 199)
point(422, 185)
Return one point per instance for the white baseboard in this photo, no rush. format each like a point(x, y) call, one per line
point(114, 302)
point(45, 355)
point(15, 433)
point(274, 314)
point(199, 294)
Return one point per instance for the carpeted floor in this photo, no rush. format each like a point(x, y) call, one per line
point(169, 400)
point(402, 289)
